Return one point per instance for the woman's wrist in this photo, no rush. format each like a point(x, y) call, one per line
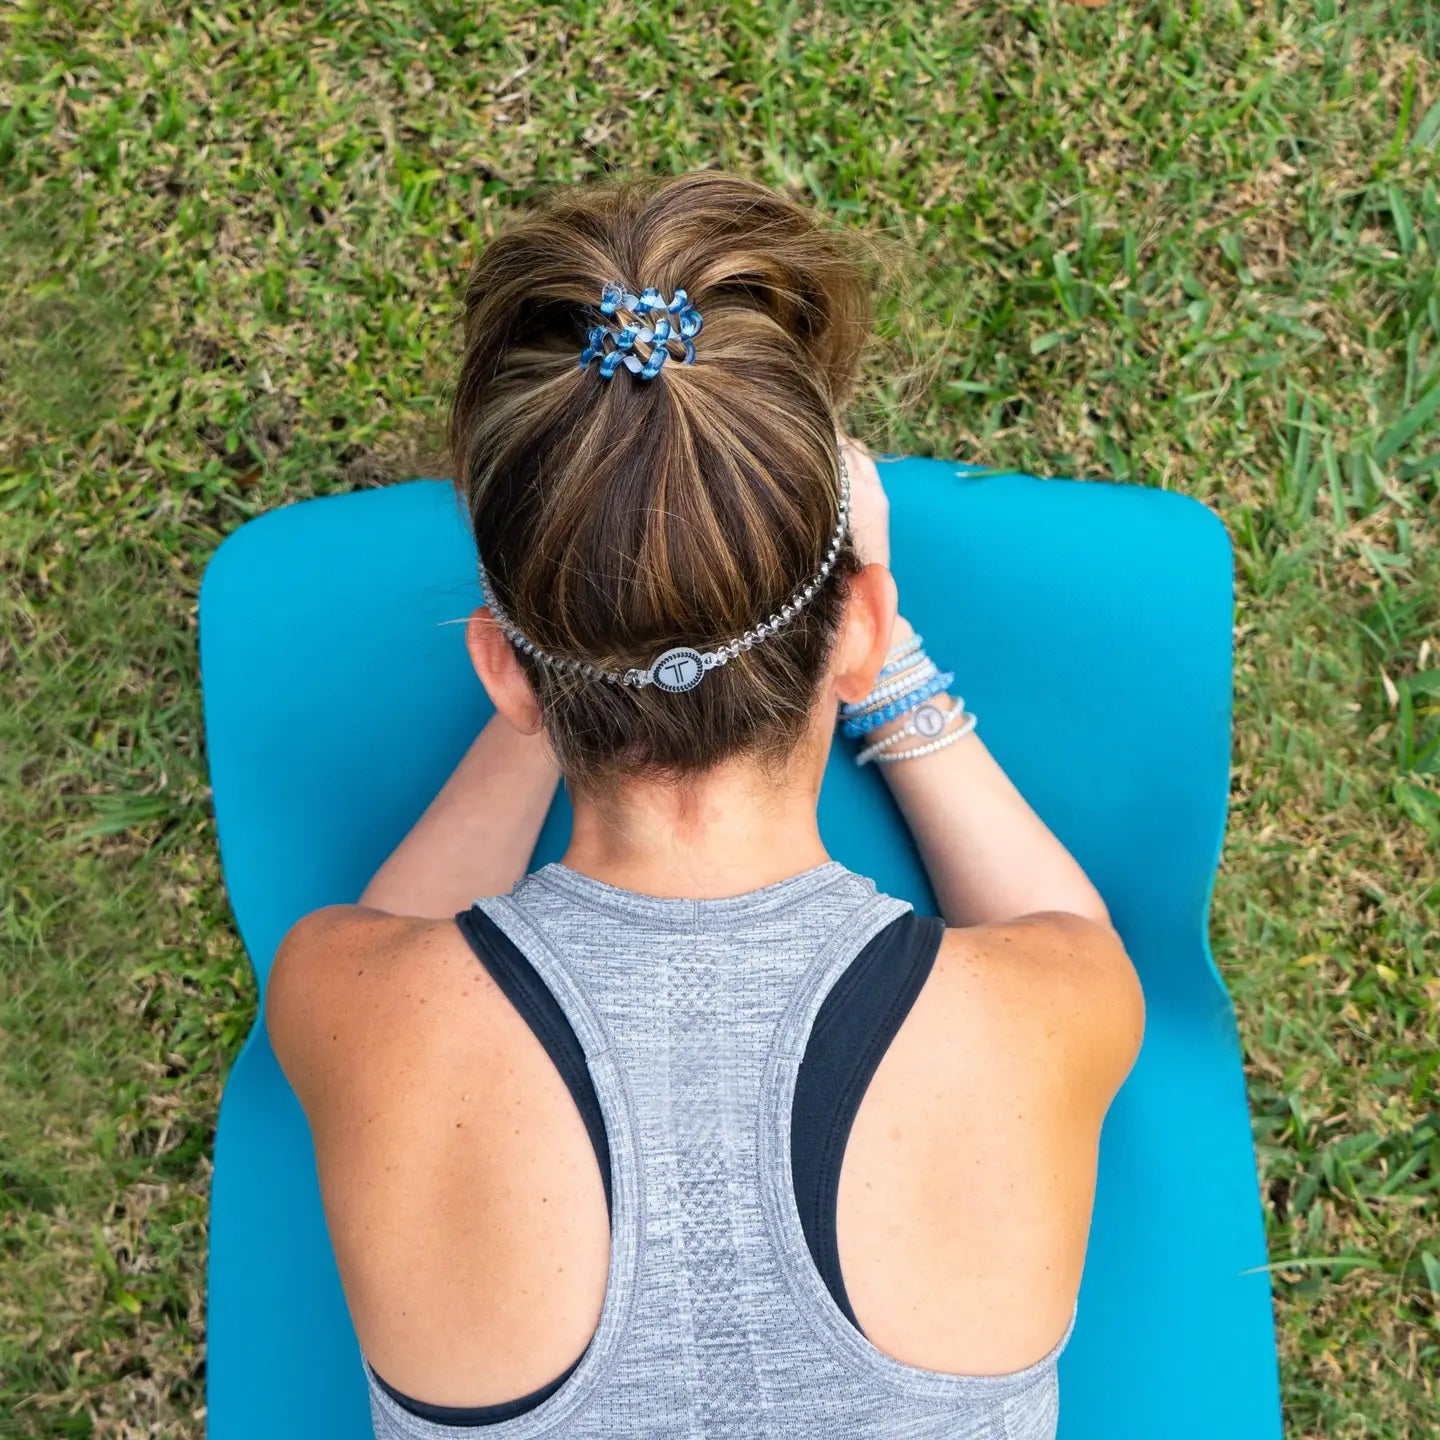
point(943, 701)
point(988, 855)
point(921, 715)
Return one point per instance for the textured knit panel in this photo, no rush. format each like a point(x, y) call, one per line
point(716, 1325)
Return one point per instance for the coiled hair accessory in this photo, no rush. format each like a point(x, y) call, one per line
point(657, 323)
point(682, 667)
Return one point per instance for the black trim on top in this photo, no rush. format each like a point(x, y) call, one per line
point(478, 1414)
point(528, 993)
point(531, 996)
point(853, 1028)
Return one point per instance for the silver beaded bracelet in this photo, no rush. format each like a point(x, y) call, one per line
point(907, 663)
point(926, 726)
point(958, 733)
point(903, 682)
point(901, 650)
point(906, 666)
point(927, 722)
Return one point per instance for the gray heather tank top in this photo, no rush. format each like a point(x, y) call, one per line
point(716, 1325)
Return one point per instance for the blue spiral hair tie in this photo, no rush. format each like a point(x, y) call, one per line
point(657, 323)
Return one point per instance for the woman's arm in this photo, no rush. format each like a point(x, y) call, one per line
point(478, 834)
point(989, 856)
point(1030, 930)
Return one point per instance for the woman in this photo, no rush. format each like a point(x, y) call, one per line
point(694, 1132)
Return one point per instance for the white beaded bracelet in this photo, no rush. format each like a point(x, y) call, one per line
point(959, 733)
point(916, 720)
point(913, 727)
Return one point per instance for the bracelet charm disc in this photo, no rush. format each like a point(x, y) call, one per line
point(929, 720)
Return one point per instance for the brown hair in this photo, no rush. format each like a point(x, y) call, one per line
point(616, 518)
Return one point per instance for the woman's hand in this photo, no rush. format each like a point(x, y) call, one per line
point(869, 505)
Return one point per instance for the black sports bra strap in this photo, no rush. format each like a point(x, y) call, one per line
point(853, 1029)
point(529, 994)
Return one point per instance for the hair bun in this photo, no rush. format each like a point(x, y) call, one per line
point(619, 520)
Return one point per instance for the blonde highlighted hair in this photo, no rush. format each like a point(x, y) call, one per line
point(618, 517)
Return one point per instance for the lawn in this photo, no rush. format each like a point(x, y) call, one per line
point(1188, 246)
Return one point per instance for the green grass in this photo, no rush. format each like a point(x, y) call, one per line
point(1188, 246)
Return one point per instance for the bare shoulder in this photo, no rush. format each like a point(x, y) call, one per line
point(1056, 990)
point(345, 981)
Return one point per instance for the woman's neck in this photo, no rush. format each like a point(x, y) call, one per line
point(732, 831)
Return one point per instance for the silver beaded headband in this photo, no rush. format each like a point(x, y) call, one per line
point(682, 667)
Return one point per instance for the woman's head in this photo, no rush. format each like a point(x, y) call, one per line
point(618, 517)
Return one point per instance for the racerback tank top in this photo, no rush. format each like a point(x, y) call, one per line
point(691, 1032)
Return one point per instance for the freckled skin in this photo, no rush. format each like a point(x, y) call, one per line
point(966, 1182)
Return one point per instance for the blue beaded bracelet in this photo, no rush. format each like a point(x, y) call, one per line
point(895, 708)
point(908, 655)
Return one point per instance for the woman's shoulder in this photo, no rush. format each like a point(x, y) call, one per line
point(1052, 995)
point(355, 992)
point(325, 952)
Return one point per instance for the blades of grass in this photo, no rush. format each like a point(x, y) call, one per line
point(1431, 1265)
point(1331, 461)
point(1404, 1171)
point(1404, 221)
point(1403, 430)
point(1427, 129)
point(1314, 1262)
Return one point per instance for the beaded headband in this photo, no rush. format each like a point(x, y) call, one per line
point(682, 667)
point(658, 332)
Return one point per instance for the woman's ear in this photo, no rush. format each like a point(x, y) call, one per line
point(500, 672)
point(870, 613)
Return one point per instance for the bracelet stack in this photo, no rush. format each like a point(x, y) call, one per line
point(905, 686)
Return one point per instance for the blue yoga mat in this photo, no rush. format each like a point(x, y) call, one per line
point(1090, 624)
